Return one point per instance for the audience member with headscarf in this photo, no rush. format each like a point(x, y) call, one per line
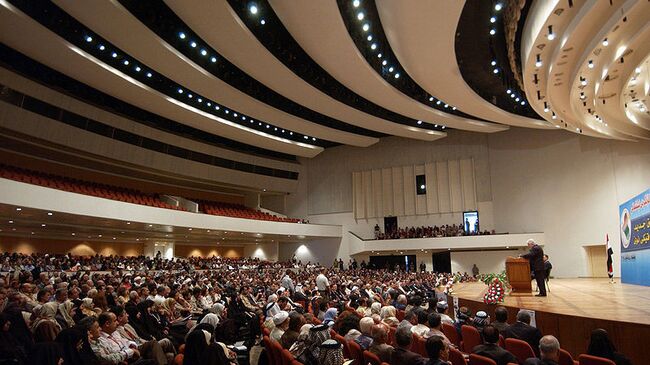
point(45, 327)
point(601, 345)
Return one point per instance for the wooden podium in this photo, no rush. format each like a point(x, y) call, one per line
point(518, 272)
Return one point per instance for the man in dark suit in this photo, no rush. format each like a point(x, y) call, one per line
point(536, 258)
point(491, 349)
point(522, 330)
point(402, 355)
point(549, 347)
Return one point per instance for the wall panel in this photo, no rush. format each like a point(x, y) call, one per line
point(468, 184)
point(455, 190)
point(357, 196)
point(387, 192)
point(377, 196)
point(432, 188)
point(444, 197)
point(420, 200)
point(369, 202)
point(398, 191)
point(409, 190)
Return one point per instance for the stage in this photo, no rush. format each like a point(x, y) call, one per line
point(574, 307)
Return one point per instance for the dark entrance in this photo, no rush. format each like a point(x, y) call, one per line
point(442, 261)
point(391, 262)
point(390, 225)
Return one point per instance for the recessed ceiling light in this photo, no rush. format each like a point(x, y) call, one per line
point(419, 122)
point(493, 31)
point(74, 234)
point(193, 44)
point(493, 19)
point(590, 64)
point(253, 9)
point(149, 74)
point(360, 16)
point(498, 6)
point(43, 225)
point(373, 46)
point(89, 39)
point(204, 52)
point(496, 71)
point(390, 69)
point(114, 55)
point(356, 3)
point(262, 21)
point(366, 27)
point(493, 63)
point(550, 36)
point(181, 35)
point(137, 69)
point(101, 47)
point(605, 42)
point(213, 59)
point(11, 222)
point(50, 213)
point(369, 38)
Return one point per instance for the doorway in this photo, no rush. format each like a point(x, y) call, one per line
point(391, 262)
point(441, 261)
point(390, 225)
point(597, 261)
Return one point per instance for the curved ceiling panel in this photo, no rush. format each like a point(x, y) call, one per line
point(221, 28)
point(582, 56)
point(318, 28)
point(635, 99)
point(140, 42)
point(27, 36)
point(413, 30)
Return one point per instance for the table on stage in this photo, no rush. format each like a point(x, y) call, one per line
point(518, 272)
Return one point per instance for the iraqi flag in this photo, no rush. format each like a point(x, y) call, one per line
point(610, 252)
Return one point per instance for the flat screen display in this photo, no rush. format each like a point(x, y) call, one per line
point(470, 222)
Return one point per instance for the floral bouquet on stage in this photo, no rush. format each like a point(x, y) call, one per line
point(497, 285)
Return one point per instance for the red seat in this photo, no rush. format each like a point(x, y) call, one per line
point(370, 358)
point(471, 338)
point(585, 359)
point(342, 341)
point(277, 352)
point(566, 358)
point(480, 360)
point(451, 333)
point(355, 352)
point(521, 349)
point(456, 357)
point(287, 357)
point(269, 350)
point(400, 315)
point(502, 342)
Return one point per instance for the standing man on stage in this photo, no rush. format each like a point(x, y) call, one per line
point(536, 258)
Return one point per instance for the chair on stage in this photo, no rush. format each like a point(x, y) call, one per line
point(370, 358)
point(521, 349)
point(475, 359)
point(585, 359)
point(451, 333)
point(456, 357)
point(355, 352)
point(471, 338)
point(566, 358)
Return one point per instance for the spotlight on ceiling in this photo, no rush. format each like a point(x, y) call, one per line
point(181, 35)
point(605, 42)
point(550, 36)
point(373, 46)
point(366, 27)
point(493, 31)
point(590, 64)
point(262, 21)
point(89, 39)
point(356, 3)
point(493, 63)
point(369, 38)
point(498, 6)
point(538, 61)
point(508, 91)
point(253, 9)
point(360, 16)
point(193, 44)
point(495, 71)
point(493, 19)
point(419, 122)
point(397, 75)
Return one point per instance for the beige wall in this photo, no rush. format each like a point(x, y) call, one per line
point(208, 251)
point(82, 248)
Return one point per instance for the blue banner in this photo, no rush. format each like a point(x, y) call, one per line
point(635, 239)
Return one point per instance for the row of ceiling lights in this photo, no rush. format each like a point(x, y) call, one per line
point(200, 102)
point(521, 100)
point(43, 225)
point(389, 69)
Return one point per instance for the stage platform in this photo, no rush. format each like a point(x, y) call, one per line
point(574, 307)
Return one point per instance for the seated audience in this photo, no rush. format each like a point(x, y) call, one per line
point(549, 350)
point(281, 322)
point(491, 349)
point(522, 330)
point(421, 329)
point(379, 346)
point(365, 339)
point(601, 345)
point(402, 354)
point(438, 351)
point(501, 319)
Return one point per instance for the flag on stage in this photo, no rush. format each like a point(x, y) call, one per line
point(610, 252)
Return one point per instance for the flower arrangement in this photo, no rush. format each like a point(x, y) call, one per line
point(497, 284)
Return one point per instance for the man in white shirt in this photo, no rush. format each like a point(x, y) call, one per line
point(110, 348)
point(421, 329)
point(323, 285)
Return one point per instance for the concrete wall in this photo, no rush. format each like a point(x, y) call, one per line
point(562, 184)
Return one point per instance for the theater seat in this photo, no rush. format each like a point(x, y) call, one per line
point(456, 357)
point(521, 349)
point(451, 333)
point(585, 359)
point(480, 360)
point(471, 338)
point(355, 352)
point(178, 360)
point(370, 358)
point(566, 358)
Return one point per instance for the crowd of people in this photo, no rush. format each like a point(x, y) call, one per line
point(447, 230)
point(65, 309)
